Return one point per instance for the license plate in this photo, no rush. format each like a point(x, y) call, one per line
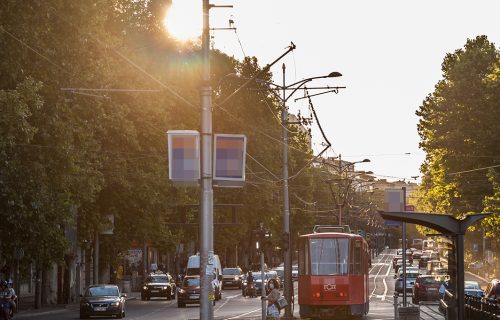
point(433, 289)
point(155, 291)
point(100, 309)
point(194, 296)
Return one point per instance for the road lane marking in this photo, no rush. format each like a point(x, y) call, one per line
point(375, 278)
point(246, 314)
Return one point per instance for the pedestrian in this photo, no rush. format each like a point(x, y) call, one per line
point(13, 299)
point(5, 299)
point(443, 288)
point(273, 309)
point(250, 288)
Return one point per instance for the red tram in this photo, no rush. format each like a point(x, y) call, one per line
point(333, 273)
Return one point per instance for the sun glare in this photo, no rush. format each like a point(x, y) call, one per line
point(184, 19)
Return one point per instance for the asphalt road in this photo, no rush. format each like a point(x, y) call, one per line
point(234, 306)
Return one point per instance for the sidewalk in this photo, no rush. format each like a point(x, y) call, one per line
point(26, 306)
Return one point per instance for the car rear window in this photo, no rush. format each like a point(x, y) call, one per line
point(429, 280)
point(471, 285)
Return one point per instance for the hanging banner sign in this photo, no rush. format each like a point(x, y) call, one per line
point(184, 156)
point(229, 160)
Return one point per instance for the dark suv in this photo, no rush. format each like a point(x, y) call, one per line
point(232, 277)
point(158, 285)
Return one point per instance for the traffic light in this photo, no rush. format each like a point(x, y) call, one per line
point(285, 241)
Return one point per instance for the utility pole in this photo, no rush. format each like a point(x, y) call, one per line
point(404, 250)
point(206, 200)
point(341, 204)
point(287, 265)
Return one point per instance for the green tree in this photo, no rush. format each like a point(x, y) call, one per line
point(459, 131)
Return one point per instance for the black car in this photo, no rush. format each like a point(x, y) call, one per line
point(232, 277)
point(158, 285)
point(102, 300)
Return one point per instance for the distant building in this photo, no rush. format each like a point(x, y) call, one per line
point(383, 184)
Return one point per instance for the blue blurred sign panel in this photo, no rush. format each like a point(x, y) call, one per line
point(229, 160)
point(394, 202)
point(184, 156)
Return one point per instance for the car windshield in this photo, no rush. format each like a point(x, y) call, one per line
point(102, 291)
point(157, 279)
point(232, 272)
point(412, 275)
point(257, 276)
point(191, 282)
point(280, 272)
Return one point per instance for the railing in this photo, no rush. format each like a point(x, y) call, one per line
point(475, 307)
point(481, 308)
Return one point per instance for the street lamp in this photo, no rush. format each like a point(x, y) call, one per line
point(288, 290)
point(275, 89)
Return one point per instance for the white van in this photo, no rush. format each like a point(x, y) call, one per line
point(193, 269)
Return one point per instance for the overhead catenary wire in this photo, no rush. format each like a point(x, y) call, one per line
point(159, 82)
point(472, 170)
point(143, 71)
point(129, 61)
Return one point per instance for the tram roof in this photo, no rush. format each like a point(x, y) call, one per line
point(331, 235)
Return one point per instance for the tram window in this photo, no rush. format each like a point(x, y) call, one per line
point(357, 257)
point(328, 256)
point(303, 258)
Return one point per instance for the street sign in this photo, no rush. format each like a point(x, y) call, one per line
point(229, 160)
point(184, 156)
point(409, 207)
point(394, 202)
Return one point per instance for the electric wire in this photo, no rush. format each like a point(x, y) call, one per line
point(239, 41)
point(129, 61)
point(34, 50)
point(156, 80)
point(472, 170)
point(143, 71)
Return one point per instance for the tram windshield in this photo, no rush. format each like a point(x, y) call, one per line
point(329, 256)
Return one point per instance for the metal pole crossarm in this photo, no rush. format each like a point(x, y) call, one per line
point(216, 29)
point(334, 90)
point(256, 76)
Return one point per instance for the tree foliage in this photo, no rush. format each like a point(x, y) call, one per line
point(70, 156)
point(459, 132)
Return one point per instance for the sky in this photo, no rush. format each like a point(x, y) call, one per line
point(389, 53)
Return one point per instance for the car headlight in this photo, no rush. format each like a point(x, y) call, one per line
point(145, 287)
point(165, 287)
point(181, 291)
point(236, 277)
point(115, 303)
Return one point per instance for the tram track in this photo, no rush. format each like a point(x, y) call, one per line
point(378, 271)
